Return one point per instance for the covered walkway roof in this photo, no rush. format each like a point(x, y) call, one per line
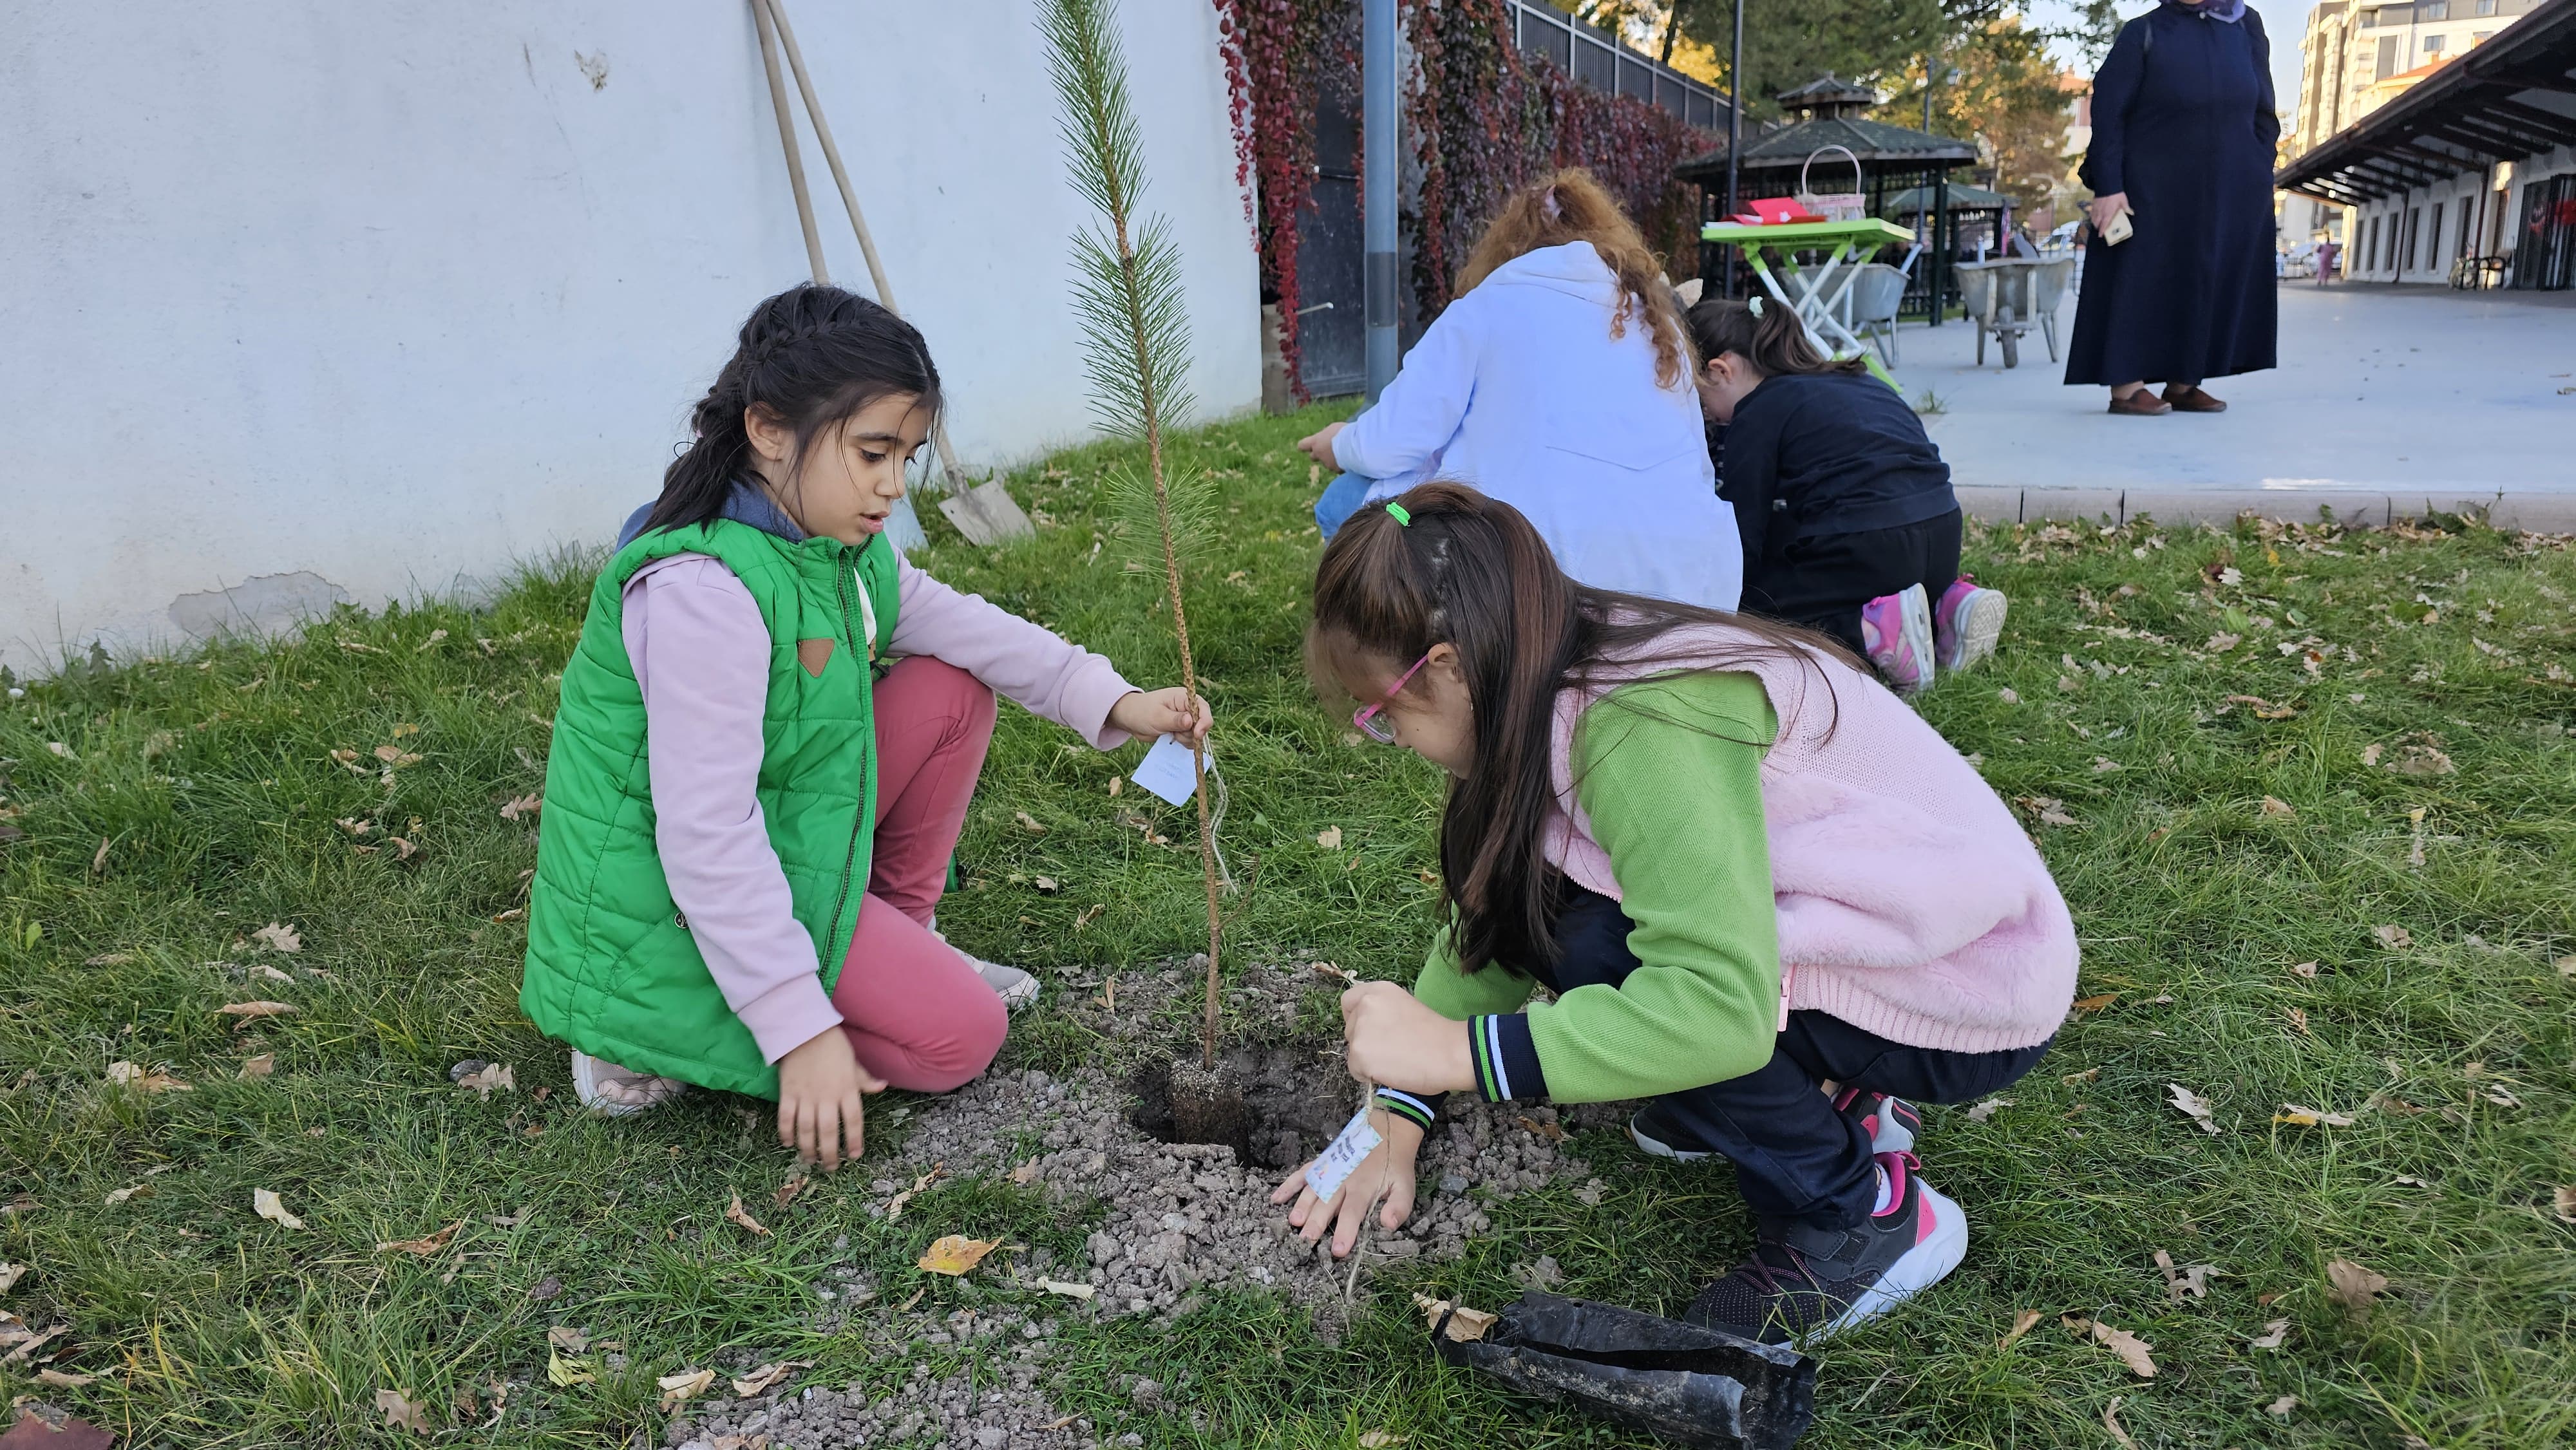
point(2512, 97)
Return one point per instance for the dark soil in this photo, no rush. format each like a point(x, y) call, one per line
point(1275, 1107)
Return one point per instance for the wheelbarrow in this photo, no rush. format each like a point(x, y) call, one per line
point(2001, 298)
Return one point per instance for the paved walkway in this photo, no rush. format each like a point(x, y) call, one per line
point(2389, 399)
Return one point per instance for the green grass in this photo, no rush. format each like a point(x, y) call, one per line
point(211, 780)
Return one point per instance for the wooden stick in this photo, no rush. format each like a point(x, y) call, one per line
point(787, 139)
point(777, 11)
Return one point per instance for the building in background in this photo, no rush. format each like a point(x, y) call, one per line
point(2358, 57)
point(364, 302)
point(2468, 175)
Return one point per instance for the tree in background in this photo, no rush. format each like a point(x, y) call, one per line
point(1997, 85)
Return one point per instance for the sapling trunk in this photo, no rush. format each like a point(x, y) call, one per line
point(1136, 340)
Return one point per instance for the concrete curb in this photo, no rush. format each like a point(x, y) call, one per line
point(2536, 512)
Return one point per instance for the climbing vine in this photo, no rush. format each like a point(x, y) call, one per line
point(1480, 118)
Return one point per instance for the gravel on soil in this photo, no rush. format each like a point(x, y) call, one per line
point(1180, 1217)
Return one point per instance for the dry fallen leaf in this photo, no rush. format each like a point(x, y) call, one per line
point(2280, 1409)
point(1028, 823)
point(2194, 1104)
point(2370, 753)
point(768, 1375)
point(734, 1215)
point(2304, 969)
point(1026, 1173)
point(2395, 938)
point(260, 1066)
point(269, 1206)
point(278, 937)
point(2021, 1325)
point(394, 756)
point(1330, 838)
point(564, 1373)
point(402, 1412)
point(1328, 969)
point(957, 1254)
point(1988, 1109)
point(1379, 1440)
point(2273, 1334)
point(2275, 806)
point(2090, 1074)
point(245, 1013)
point(1070, 1291)
point(120, 1195)
point(63, 1379)
point(518, 806)
point(1551, 1132)
point(2305, 1117)
point(894, 1205)
point(2562, 1200)
point(2133, 1351)
point(487, 1079)
point(2111, 1422)
point(1465, 1324)
point(2094, 1004)
point(127, 1075)
point(2352, 1286)
point(566, 1337)
point(679, 1389)
point(798, 1180)
point(10, 1274)
point(2191, 1280)
point(424, 1247)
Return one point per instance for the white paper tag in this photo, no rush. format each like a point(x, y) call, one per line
point(1167, 772)
point(1326, 1174)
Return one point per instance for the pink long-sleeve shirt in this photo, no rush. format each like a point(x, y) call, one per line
point(701, 655)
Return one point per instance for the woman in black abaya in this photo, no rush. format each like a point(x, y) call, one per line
point(2183, 130)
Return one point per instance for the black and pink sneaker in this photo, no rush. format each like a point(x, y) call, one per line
point(1891, 1123)
point(1805, 1282)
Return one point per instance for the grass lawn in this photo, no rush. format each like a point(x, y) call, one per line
point(2309, 793)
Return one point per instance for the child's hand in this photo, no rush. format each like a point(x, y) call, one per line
point(1387, 1173)
point(1146, 714)
point(1318, 445)
point(1395, 1041)
point(820, 1099)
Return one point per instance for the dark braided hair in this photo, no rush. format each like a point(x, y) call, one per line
point(812, 355)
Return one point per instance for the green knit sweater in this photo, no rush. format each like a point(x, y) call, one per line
point(1670, 775)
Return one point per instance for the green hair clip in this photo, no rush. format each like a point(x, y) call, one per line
point(1397, 510)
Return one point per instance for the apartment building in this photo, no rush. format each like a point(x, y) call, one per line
point(2357, 57)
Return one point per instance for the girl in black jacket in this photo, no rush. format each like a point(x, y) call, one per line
point(1844, 505)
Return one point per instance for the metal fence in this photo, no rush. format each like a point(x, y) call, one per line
point(1598, 60)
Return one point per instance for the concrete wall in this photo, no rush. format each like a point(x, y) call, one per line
point(308, 301)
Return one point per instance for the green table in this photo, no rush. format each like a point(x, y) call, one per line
point(1818, 296)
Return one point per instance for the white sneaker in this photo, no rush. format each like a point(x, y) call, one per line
point(1016, 988)
point(614, 1092)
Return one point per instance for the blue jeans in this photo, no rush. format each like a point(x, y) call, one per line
point(1342, 498)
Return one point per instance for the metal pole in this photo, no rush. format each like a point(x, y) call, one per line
point(1378, 87)
point(1734, 131)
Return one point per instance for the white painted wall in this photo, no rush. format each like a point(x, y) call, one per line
point(393, 297)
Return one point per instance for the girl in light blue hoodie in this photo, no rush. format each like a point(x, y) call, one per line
point(1559, 381)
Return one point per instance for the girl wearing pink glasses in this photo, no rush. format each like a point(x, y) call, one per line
point(1745, 870)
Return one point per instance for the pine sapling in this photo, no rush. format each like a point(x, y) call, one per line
point(1135, 324)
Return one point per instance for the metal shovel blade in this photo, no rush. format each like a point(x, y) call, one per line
point(1690, 1386)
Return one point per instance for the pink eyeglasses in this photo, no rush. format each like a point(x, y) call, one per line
point(1365, 718)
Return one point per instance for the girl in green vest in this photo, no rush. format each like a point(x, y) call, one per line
point(768, 735)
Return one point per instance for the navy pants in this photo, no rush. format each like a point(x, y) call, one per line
point(1794, 1156)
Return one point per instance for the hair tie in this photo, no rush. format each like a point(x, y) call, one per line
point(1753, 305)
point(1402, 518)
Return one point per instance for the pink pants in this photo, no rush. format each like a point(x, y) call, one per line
point(916, 1012)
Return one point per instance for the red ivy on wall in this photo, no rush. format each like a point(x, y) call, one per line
point(1480, 119)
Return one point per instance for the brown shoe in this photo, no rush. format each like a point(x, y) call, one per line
point(2190, 400)
point(2140, 404)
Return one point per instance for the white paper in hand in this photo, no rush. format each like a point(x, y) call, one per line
point(1357, 1140)
point(1167, 772)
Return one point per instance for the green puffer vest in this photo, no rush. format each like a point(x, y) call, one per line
point(612, 969)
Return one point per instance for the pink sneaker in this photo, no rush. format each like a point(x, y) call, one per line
point(1966, 623)
point(1898, 630)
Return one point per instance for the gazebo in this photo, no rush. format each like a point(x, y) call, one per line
point(1977, 216)
point(1827, 112)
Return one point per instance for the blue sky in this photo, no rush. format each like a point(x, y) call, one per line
point(2285, 21)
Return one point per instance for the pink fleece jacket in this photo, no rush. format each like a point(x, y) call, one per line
point(1910, 901)
point(701, 657)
